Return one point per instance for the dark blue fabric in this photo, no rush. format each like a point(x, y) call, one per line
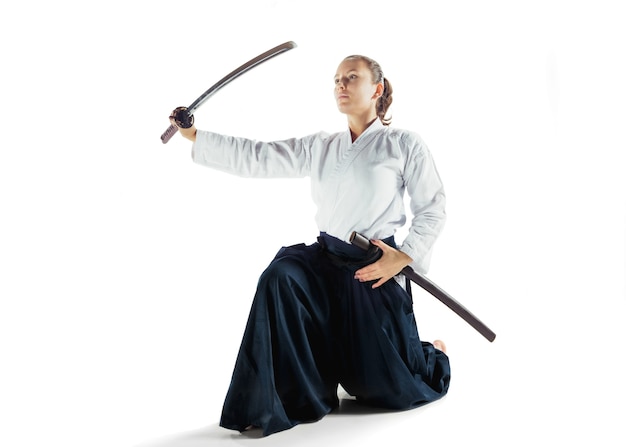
point(313, 326)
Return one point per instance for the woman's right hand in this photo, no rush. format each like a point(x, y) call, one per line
point(187, 132)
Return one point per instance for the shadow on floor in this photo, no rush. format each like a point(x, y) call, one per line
point(214, 435)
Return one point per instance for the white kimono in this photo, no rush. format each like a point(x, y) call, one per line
point(356, 186)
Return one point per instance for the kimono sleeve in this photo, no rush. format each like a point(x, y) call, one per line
point(427, 203)
point(251, 158)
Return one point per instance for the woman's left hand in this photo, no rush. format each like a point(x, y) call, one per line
point(389, 265)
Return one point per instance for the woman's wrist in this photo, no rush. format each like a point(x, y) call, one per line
point(189, 133)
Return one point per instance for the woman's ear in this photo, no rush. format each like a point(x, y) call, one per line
point(380, 88)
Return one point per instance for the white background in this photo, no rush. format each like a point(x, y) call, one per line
point(127, 271)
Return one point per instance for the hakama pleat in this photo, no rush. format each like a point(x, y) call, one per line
point(312, 326)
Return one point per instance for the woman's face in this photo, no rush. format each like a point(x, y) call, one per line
point(355, 91)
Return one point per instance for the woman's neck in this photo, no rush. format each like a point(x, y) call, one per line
point(358, 125)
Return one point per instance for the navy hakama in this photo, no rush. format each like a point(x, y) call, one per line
point(313, 326)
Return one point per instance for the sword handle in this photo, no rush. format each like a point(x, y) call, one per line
point(360, 241)
point(169, 133)
point(183, 119)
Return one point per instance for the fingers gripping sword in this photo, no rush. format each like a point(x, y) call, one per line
point(184, 115)
point(362, 242)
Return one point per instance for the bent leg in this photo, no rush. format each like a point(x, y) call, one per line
point(285, 373)
point(385, 363)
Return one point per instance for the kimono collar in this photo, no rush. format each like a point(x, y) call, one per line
point(375, 126)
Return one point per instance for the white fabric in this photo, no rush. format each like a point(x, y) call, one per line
point(356, 186)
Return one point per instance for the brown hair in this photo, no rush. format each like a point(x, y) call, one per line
point(385, 100)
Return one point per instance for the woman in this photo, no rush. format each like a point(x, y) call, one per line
point(330, 313)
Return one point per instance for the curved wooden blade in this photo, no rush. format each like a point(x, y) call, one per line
point(169, 133)
point(362, 242)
